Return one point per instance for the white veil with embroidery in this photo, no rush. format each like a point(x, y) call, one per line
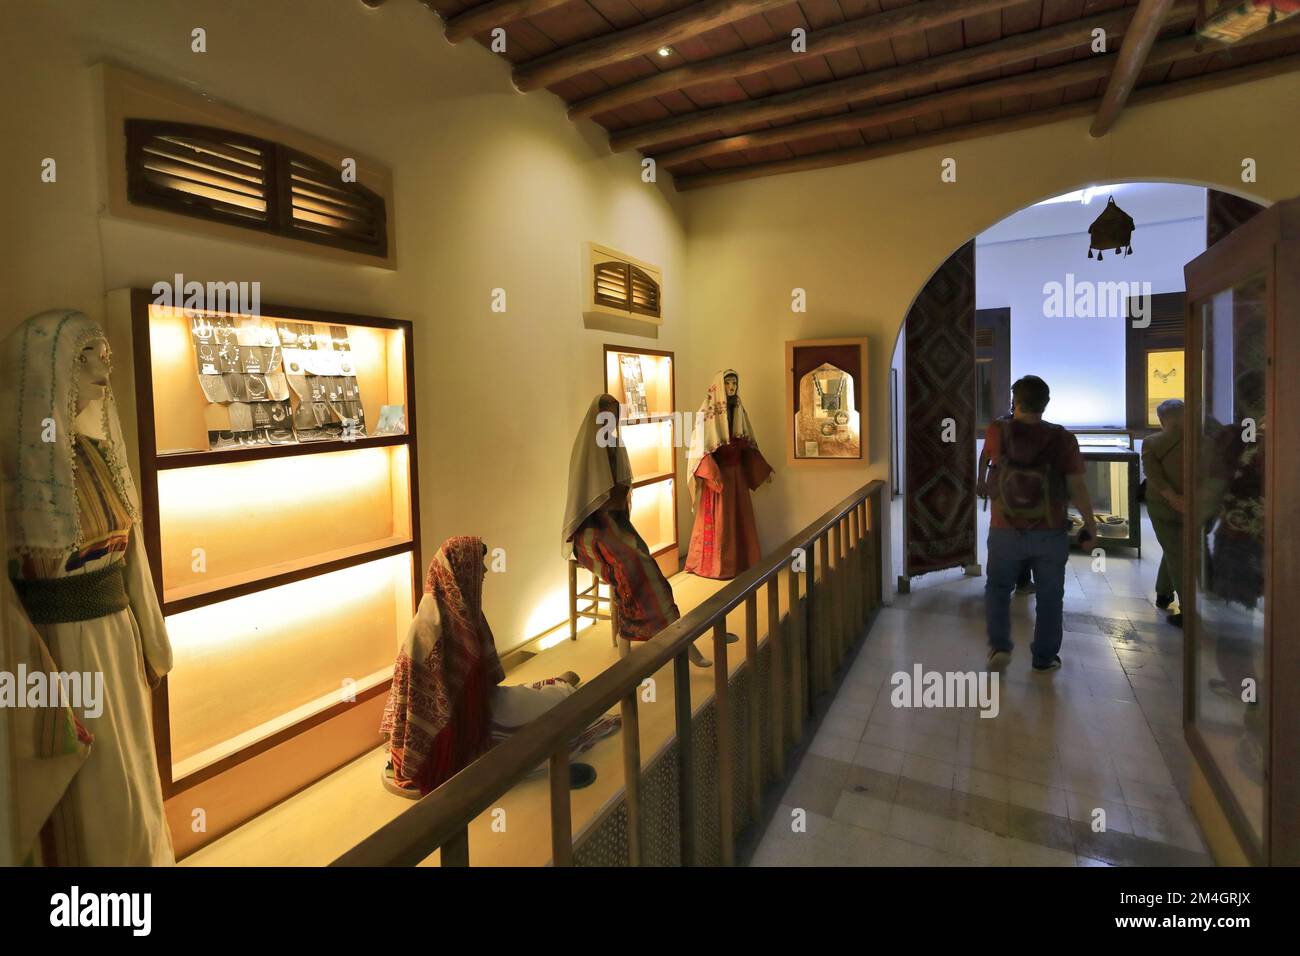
point(38, 405)
point(711, 431)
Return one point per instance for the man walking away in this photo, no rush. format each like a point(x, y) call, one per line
point(1162, 460)
point(1037, 470)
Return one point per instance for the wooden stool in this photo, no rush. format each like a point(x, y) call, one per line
point(594, 598)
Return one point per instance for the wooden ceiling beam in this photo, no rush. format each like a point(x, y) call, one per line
point(1141, 35)
point(1207, 82)
point(683, 24)
point(869, 29)
point(494, 13)
point(949, 67)
point(1037, 81)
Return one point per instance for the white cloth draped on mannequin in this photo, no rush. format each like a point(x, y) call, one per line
point(81, 575)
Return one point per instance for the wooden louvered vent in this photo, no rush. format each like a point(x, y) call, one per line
point(229, 177)
point(619, 286)
point(643, 292)
point(199, 171)
point(325, 209)
point(610, 281)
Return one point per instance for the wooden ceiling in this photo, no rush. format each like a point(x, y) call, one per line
point(732, 99)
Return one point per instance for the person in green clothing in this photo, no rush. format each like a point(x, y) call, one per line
point(1162, 460)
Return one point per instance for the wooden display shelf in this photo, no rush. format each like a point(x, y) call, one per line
point(653, 479)
point(647, 419)
point(197, 459)
point(221, 757)
point(186, 598)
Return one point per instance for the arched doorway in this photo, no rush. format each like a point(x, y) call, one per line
point(955, 365)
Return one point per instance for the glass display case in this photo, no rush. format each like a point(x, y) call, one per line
point(1241, 695)
point(277, 464)
point(1111, 473)
point(642, 381)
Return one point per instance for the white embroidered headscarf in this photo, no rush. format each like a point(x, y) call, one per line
point(590, 478)
point(38, 405)
point(711, 429)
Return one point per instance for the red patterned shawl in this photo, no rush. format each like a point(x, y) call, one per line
point(438, 718)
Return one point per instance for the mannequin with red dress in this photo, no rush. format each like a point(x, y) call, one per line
point(723, 466)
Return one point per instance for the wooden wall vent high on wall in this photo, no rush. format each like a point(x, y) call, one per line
point(176, 159)
point(226, 176)
point(620, 293)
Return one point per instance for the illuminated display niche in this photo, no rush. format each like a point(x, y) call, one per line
point(287, 572)
point(642, 381)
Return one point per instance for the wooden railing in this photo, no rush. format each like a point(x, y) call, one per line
point(839, 557)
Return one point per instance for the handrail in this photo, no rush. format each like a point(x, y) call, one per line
point(441, 817)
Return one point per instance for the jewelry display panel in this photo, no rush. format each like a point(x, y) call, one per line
point(641, 380)
point(825, 394)
point(225, 381)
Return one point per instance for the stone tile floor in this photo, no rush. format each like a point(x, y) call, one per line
point(1098, 741)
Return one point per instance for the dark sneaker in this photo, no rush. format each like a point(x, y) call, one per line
point(1175, 619)
point(998, 660)
point(1054, 665)
point(1164, 600)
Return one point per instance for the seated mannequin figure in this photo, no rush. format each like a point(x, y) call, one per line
point(598, 530)
point(79, 571)
point(723, 466)
point(448, 705)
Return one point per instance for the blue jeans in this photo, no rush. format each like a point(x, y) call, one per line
point(1044, 551)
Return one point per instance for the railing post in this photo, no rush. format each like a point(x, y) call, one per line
point(839, 620)
point(776, 672)
point(685, 766)
point(856, 570)
point(812, 644)
point(755, 708)
point(824, 616)
point(726, 761)
point(632, 777)
point(797, 657)
point(455, 852)
point(869, 537)
point(561, 814)
point(877, 556)
point(573, 600)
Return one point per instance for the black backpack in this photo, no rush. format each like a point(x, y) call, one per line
point(1025, 482)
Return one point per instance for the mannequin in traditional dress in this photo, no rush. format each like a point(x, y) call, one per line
point(44, 745)
point(80, 573)
point(723, 466)
point(449, 703)
point(598, 530)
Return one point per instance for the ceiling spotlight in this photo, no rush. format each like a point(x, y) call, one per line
point(665, 51)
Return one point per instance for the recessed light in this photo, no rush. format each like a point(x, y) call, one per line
point(665, 51)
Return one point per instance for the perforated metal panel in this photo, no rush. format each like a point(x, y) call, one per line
point(605, 844)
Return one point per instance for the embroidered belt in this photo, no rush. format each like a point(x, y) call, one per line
point(78, 597)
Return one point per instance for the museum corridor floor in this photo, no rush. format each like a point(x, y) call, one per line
point(881, 786)
point(898, 787)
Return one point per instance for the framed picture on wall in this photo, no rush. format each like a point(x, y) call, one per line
point(1153, 358)
point(825, 399)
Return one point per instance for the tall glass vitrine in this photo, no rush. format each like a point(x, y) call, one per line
point(1241, 706)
